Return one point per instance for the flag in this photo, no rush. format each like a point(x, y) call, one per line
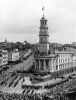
point(43, 8)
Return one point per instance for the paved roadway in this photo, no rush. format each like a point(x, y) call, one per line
point(25, 65)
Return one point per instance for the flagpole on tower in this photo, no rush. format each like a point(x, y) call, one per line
point(43, 10)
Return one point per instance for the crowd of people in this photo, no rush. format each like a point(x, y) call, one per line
point(54, 93)
point(15, 96)
point(61, 90)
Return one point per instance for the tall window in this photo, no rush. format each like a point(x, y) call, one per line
point(41, 39)
point(47, 62)
point(56, 67)
point(42, 64)
point(59, 60)
point(37, 63)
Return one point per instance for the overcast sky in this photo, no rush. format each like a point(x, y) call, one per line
point(20, 20)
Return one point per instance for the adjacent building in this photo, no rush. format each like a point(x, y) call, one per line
point(64, 60)
point(74, 60)
point(3, 57)
point(14, 55)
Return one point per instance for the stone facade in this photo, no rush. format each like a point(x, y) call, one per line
point(64, 60)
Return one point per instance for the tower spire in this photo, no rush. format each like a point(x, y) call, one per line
point(5, 40)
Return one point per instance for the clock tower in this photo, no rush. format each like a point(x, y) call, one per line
point(43, 36)
point(44, 61)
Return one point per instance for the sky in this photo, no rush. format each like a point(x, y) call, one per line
point(20, 20)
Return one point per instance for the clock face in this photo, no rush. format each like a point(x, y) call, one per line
point(42, 30)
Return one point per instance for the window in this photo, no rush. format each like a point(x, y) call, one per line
point(45, 23)
point(56, 67)
point(61, 55)
point(63, 66)
point(68, 59)
point(0, 55)
point(47, 62)
point(59, 66)
point(41, 39)
point(63, 60)
point(59, 60)
point(37, 62)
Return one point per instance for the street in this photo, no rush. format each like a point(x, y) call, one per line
point(23, 66)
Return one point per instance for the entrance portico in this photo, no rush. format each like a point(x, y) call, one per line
point(46, 63)
point(42, 64)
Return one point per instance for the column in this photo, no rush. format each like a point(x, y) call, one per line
point(52, 65)
point(39, 64)
point(44, 65)
point(35, 64)
point(49, 65)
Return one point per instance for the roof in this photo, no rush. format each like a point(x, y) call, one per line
point(43, 18)
point(63, 52)
point(45, 55)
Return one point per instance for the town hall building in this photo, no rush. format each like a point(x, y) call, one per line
point(45, 61)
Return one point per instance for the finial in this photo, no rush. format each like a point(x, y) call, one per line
point(43, 10)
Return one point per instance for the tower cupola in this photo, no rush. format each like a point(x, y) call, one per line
point(43, 23)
